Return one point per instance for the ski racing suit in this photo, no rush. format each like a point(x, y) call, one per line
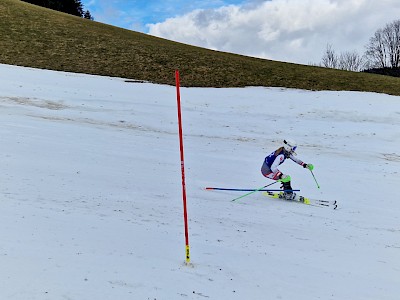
point(270, 165)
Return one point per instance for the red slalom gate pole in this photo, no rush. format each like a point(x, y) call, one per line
point(178, 98)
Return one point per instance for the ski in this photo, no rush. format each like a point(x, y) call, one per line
point(244, 190)
point(304, 200)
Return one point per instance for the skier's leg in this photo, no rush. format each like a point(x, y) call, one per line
point(289, 194)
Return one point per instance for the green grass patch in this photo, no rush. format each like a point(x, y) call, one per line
point(37, 37)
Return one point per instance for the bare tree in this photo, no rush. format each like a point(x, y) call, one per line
point(330, 59)
point(392, 40)
point(351, 61)
point(383, 49)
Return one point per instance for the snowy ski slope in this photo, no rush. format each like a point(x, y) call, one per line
point(91, 204)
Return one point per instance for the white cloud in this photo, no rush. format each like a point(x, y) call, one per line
point(287, 30)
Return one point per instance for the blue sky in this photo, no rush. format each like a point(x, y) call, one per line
point(295, 31)
point(135, 14)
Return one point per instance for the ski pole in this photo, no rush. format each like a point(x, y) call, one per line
point(315, 179)
point(252, 192)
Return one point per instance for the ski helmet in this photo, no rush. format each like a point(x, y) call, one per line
point(290, 145)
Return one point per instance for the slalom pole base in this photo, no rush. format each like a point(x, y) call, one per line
point(188, 264)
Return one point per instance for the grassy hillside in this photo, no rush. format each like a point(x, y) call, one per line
point(38, 37)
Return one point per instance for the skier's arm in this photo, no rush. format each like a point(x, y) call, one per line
point(296, 160)
point(301, 163)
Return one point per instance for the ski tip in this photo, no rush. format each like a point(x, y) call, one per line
point(208, 188)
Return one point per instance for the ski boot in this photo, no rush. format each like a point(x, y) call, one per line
point(288, 194)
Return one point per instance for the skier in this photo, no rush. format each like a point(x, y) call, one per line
point(270, 166)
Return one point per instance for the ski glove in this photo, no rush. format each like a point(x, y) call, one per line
point(285, 178)
point(309, 166)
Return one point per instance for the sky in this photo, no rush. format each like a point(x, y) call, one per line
point(285, 30)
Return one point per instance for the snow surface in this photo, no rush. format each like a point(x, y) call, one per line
point(91, 203)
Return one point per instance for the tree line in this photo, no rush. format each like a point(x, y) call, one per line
point(72, 7)
point(382, 54)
